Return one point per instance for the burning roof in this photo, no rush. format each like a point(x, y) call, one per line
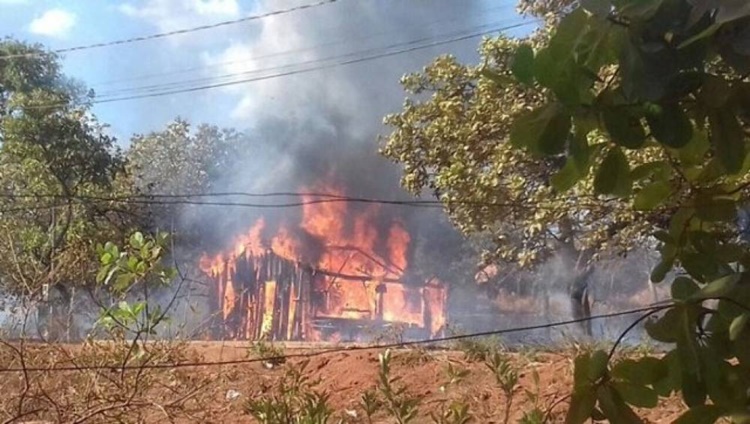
point(336, 272)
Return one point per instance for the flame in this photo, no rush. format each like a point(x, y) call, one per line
point(358, 259)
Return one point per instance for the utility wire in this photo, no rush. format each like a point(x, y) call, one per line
point(177, 200)
point(336, 64)
point(528, 328)
point(315, 47)
point(172, 33)
point(315, 62)
point(290, 72)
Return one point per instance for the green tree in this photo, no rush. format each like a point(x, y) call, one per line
point(55, 158)
point(180, 161)
point(641, 117)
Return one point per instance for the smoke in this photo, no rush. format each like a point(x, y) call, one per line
point(323, 125)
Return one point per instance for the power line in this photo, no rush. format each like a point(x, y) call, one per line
point(292, 72)
point(175, 32)
point(310, 69)
point(166, 199)
point(649, 309)
point(347, 39)
point(177, 84)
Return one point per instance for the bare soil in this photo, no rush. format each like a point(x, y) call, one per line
point(223, 391)
point(346, 375)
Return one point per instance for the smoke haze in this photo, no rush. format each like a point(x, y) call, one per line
point(323, 125)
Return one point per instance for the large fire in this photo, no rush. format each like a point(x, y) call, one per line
point(336, 272)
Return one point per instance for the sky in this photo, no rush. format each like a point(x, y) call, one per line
point(324, 34)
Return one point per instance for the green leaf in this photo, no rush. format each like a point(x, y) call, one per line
point(102, 274)
point(614, 407)
point(106, 258)
point(738, 326)
point(701, 414)
point(663, 237)
point(731, 10)
point(599, 8)
point(641, 10)
point(708, 32)
point(542, 131)
point(123, 281)
point(671, 126)
point(715, 209)
point(137, 240)
point(624, 128)
point(643, 371)
point(659, 273)
point(715, 92)
point(613, 175)
point(598, 365)
point(657, 169)
point(582, 405)
point(695, 151)
point(727, 139)
point(663, 328)
point(693, 390)
point(718, 288)
point(684, 288)
point(559, 67)
point(652, 196)
point(500, 80)
point(567, 177)
point(523, 64)
point(637, 395)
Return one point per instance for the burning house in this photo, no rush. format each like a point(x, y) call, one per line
point(334, 275)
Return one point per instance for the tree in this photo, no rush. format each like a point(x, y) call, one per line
point(643, 104)
point(453, 139)
point(179, 162)
point(55, 159)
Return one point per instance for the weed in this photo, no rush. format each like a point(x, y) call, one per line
point(506, 377)
point(370, 404)
point(391, 334)
point(272, 354)
point(456, 413)
point(454, 375)
point(478, 350)
point(297, 401)
point(414, 356)
point(400, 405)
point(535, 415)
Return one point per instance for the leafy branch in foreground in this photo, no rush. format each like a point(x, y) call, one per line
point(137, 265)
point(627, 77)
point(621, 123)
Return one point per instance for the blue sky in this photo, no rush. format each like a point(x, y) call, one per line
point(345, 27)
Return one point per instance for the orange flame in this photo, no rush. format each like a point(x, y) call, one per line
point(360, 260)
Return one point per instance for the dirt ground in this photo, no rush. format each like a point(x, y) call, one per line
point(345, 376)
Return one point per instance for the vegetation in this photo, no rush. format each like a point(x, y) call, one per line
point(621, 122)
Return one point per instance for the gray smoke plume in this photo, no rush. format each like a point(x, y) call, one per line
point(306, 127)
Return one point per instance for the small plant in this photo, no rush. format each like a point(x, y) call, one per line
point(401, 406)
point(297, 401)
point(392, 334)
point(456, 413)
point(454, 375)
point(370, 404)
point(272, 354)
point(535, 415)
point(414, 356)
point(506, 377)
point(478, 350)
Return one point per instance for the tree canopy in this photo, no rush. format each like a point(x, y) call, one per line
point(54, 154)
point(623, 121)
